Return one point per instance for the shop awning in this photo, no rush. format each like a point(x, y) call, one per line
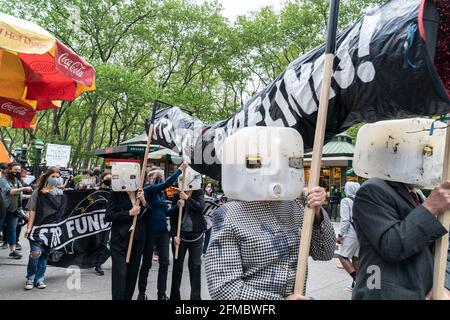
point(164, 153)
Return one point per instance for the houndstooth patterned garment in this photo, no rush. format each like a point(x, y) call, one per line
point(254, 249)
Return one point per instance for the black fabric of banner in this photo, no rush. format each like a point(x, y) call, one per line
point(383, 70)
point(78, 236)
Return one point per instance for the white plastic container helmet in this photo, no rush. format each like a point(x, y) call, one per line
point(125, 176)
point(263, 163)
point(193, 180)
point(401, 151)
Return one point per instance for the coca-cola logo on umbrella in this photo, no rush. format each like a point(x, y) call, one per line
point(16, 109)
point(73, 66)
point(8, 106)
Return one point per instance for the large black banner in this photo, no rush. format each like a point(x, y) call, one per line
point(80, 236)
point(383, 69)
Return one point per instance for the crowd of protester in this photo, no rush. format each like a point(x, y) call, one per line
point(28, 202)
point(25, 203)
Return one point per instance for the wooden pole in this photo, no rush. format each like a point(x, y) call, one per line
point(180, 213)
point(141, 182)
point(308, 219)
point(441, 246)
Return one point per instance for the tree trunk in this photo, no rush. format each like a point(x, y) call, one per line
point(91, 136)
point(55, 124)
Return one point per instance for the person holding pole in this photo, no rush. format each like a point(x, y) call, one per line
point(254, 245)
point(121, 210)
point(156, 233)
point(191, 232)
point(395, 225)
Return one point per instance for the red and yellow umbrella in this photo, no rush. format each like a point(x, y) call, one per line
point(37, 70)
point(22, 113)
point(18, 123)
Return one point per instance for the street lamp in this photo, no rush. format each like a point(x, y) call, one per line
point(17, 153)
point(20, 155)
point(24, 155)
point(38, 145)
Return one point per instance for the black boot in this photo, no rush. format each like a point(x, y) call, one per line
point(162, 296)
point(99, 270)
point(142, 296)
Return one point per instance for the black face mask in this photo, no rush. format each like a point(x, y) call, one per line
point(158, 180)
point(107, 183)
point(15, 174)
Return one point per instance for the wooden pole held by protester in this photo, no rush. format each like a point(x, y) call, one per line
point(441, 246)
point(308, 219)
point(180, 213)
point(141, 182)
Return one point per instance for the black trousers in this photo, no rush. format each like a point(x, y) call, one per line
point(333, 211)
point(2, 218)
point(18, 231)
point(124, 276)
point(161, 241)
point(194, 263)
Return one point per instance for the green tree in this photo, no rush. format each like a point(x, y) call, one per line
point(178, 51)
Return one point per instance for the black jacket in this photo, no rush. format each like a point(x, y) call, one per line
point(194, 206)
point(396, 239)
point(117, 212)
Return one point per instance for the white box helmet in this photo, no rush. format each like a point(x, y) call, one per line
point(193, 180)
point(263, 163)
point(125, 176)
point(401, 151)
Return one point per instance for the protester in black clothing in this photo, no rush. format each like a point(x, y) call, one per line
point(192, 229)
point(121, 211)
point(335, 198)
point(3, 168)
point(45, 206)
point(104, 185)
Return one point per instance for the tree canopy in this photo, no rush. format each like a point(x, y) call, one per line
point(178, 51)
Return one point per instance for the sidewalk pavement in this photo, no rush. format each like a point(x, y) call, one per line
point(325, 281)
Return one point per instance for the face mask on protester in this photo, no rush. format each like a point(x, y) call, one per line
point(15, 174)
point(107, 182)
point(54, 181)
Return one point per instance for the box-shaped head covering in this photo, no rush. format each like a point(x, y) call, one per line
point(125, 176)
point(263, 163)
point(193, 180)
point(401, 151)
